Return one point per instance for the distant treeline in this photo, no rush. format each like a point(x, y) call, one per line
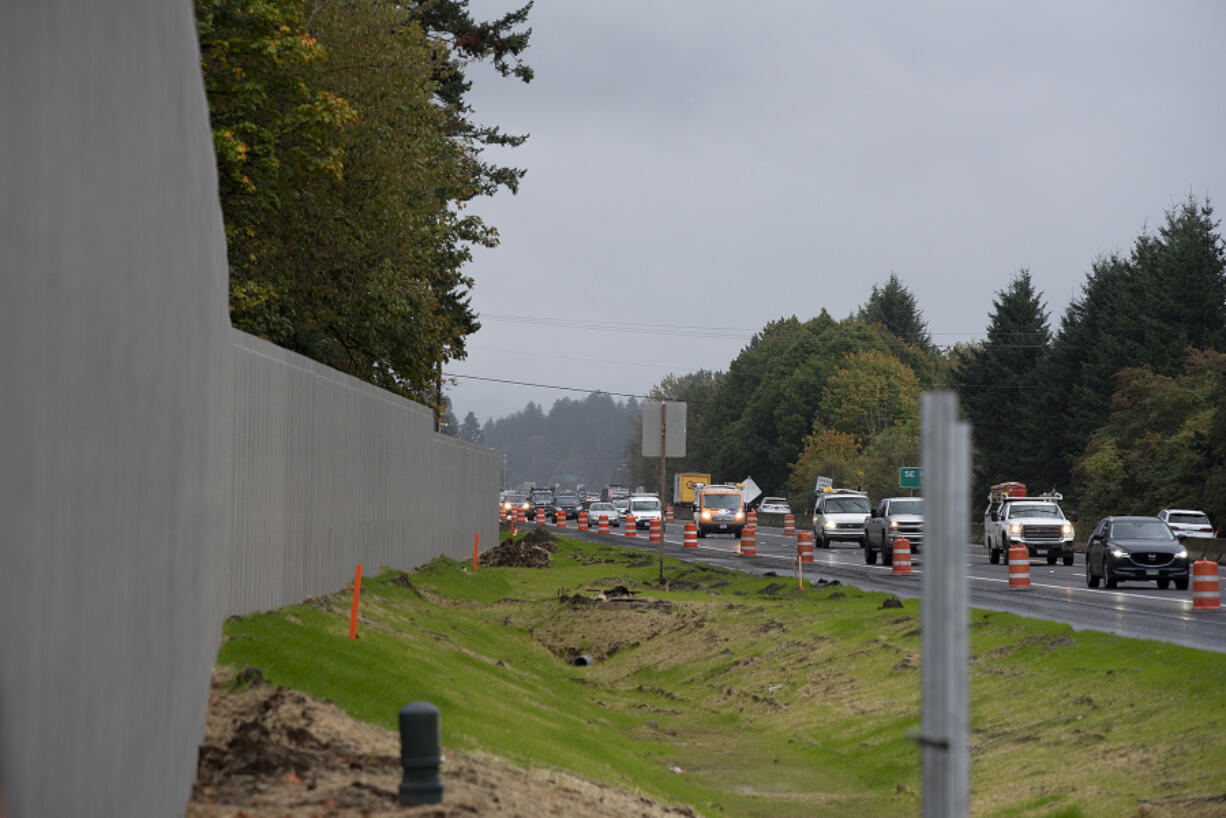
point(1120, 406)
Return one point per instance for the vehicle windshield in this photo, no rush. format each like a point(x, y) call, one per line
point(1034, 510)
point(915, 506)
point(774, 501)
point(644, 505)
point(846, 505)
point(724, 502)
point(605, 507)
point(1188, 519)
point(621, 505)
point(514, 498)
point(569, 499)
point(1140, 530)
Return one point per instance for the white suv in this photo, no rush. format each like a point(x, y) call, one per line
point(838, 516)
point(1187, 523)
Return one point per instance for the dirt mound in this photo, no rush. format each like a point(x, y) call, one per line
point(271, 752)
point(532, 551)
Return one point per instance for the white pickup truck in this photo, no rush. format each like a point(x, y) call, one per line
point(1036, 522)
point(892, 519)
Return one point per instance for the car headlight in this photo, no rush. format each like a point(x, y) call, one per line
point(740, 515)
point(893, 523)
point(1117, 552)
point(1067, 529)
point(828, 524)
point(1015, 528)
point(706, 514)
point(1182, 553)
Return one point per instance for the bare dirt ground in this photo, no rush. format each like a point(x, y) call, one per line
point(270, 752)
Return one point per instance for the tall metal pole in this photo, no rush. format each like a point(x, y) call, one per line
point(663, 449)
point(946, 459)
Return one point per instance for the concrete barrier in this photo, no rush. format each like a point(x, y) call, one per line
point(161, 470)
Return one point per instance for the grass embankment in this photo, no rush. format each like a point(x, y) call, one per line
point(770, 700)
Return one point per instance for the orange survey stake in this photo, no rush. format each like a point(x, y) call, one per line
point(357, 591)
point(476, 541)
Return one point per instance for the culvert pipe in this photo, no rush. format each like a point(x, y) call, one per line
point(581, 659)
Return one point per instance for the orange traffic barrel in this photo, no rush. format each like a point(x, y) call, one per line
point(691, 536)
point(668, 514)
point(1019, 567)
point(789, 524)
point(749, 541)
point(804, 545)
point(540, 516)
point(1206, 595)
point(583, 521)
point(602, 525)
point(902, 556)
point(559, 517)
point(502, 514)
point(629, 524)
point(753, 518)
point(655, 533)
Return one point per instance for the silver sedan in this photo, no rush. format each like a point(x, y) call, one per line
point(595, 510)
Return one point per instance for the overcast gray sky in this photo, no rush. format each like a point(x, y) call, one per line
point(696, 169)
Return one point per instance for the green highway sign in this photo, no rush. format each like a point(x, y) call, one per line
point(910, 477)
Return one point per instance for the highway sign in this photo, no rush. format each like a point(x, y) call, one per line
point(910, 477)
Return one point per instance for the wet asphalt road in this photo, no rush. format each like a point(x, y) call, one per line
point(1057, 593)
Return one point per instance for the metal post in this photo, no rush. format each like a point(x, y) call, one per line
point(663, 449)
point(946, 459)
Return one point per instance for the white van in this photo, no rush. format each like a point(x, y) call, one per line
point(645, 508)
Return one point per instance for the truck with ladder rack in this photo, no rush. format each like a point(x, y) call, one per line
point(1035, 521)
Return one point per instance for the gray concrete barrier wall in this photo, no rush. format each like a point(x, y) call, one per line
point(114, 398)
point(330, 472)
point(159, 471)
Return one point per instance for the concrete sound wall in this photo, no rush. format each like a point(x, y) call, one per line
point(330, 471)
point(159, 471)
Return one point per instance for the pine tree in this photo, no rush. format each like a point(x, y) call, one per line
point(996, 378)
point(894, 307)
point(470, 429)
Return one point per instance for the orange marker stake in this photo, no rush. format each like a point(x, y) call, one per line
point(476, 540)
point(357, 591)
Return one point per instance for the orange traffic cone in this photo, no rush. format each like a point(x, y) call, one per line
point(1019, 567)
point(902, 556)
point(1206, 594)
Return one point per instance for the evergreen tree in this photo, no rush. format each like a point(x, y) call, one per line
point(894, 307)
point(996, 378)
point(470, 429)
point(1145, 309)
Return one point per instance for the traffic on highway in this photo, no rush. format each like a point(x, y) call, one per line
point(1056, 593)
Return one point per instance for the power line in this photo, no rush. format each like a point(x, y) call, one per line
point(545, 385)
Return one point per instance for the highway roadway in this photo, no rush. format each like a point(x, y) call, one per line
point(1057, 592)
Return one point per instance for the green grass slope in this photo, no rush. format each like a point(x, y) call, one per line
point(743, 695)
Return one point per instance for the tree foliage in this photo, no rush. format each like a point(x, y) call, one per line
point(869, 393)
point(827, 453)
point(347, 158)
point(584, 438)
point(996, 381)
point(1161, 445)
point(1144, 309)
point(895, 308)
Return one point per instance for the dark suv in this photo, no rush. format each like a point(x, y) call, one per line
point(570, 503)
point(542, 499)
point(1135, 549)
